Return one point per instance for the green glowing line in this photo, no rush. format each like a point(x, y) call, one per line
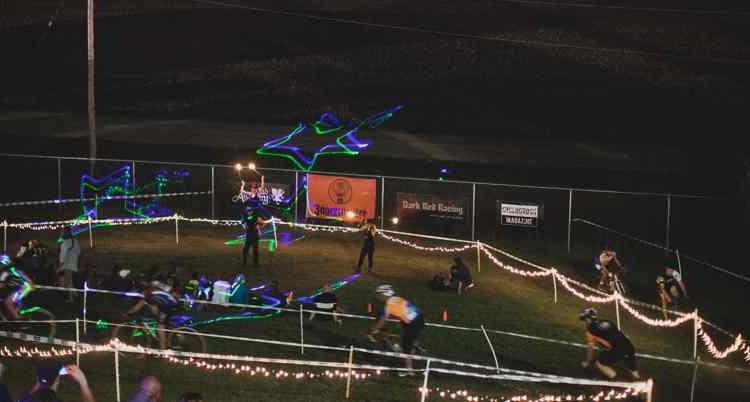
point(28, 310)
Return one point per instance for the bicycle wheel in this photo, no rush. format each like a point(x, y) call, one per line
point(135, 334)
point(44, 329)
point(186, 339)
point(620, 287)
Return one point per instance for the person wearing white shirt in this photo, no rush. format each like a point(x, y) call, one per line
point(70, 250)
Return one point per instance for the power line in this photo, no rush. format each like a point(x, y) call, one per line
point(520, 42)
point(628, 8)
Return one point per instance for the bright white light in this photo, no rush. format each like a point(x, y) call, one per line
point(350, 214)
point(251, 166)
point(394, 220)
point(238, 167)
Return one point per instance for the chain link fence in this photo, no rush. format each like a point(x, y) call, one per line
point(643, 227)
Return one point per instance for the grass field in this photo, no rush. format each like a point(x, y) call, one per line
point(500, 301)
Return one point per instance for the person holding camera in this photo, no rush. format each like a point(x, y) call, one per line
point(48, 379)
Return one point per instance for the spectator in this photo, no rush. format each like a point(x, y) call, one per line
point(252, 222)
point(459, 277)
point(238, 293)
point(32, 258)
point(4, 394)
point(274, 291)
point(48, 379)
point(191, 397)
point(328, 302)
point(149, 390)
point(70, 250)
point(222, 289)
point(368, 245)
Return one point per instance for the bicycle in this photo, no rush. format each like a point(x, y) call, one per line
point(144, 332)
point(35, 313)
point(389, 340)
point(613, 283)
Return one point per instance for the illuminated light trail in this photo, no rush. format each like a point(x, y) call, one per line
point(346, 144)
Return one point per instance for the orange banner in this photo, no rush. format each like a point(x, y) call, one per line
point(339, 197)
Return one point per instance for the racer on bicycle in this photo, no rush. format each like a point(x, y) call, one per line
point(162, 303)
point(412, 322)
point(614, 345)
point(671, 289)
point(603, 264)
point(14, 286)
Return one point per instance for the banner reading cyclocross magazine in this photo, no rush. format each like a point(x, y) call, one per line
point(340, 197)
point(417, 207)
point(516, 214)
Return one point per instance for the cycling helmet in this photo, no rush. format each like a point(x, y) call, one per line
point(385, 290)
point(659, 279)
point(5, 260)
point(587, 313)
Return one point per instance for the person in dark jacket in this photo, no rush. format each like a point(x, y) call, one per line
point(368, 245)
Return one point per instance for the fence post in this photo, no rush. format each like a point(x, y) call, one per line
point(213, 194)
point(479, 257)
point(176, 229)
point(301, 331)
point(78, 342)
point(59, 179)
point(554, 283)
point(492, 349)
point(85, 303)
point(696, 327)
point(617, 310)
point(296, 195)
point(570, 217)
point(91, 234)
point(669, 219)
point(695, 379)
point(132, 176)
point(5, 236)
point(349, 373)
point(473, 210)
point(117, 373)
point(382, 202)
point(424, 383)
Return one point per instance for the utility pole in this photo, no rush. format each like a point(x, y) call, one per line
point(91, 93)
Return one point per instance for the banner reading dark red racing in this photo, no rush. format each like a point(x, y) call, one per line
point(411, 206)
point(519, 214)
point(340, 197)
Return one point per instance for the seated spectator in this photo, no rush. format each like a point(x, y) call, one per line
point(459, 277)
point(328, 302)
point(238, 293)
point(221, 289)
point(191, 397)
point(273, 290)
point(48, 379)
point(192, 285)
point(149, 390)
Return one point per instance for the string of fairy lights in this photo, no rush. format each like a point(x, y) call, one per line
point(738, 345)
point(344, 372)
point(468, 396)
